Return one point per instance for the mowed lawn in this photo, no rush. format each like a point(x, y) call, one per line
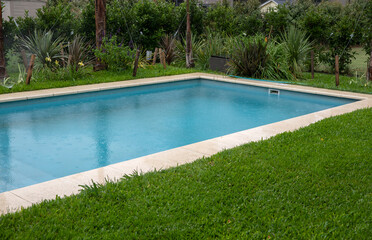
point(314, 183)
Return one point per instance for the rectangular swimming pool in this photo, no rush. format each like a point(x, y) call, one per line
point(48, 138)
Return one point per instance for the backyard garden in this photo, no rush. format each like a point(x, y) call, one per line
point(311, 183)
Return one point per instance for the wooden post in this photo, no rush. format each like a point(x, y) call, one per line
point(312, 64)
point(136, 63)
point(155, 56)
point(3, 73)
point(30, 67)
point(370, 67)
point(62, 56)
point(24, 58)
point(337, 72)
point(162, 57)
point(100, 16)
point(189, 59)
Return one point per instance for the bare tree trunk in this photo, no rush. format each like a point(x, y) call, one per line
point(100, 29)
point(189, 58)
point(2, 58)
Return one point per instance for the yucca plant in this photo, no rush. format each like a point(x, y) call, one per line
point(79, 55)
point(197, 45)
point(43, 44)
point(297, 47)
point(249, 57)
point(168, 43)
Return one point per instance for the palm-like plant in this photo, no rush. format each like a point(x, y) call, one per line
point(297, 47)
point(79, 53)
point(43, 45)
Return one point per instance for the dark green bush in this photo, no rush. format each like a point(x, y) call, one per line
point(115, 55)
point(249, 57)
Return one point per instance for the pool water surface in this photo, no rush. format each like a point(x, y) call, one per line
point(48, 138)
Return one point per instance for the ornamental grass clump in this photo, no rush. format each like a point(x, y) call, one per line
point(79, 53)
point(249, 57)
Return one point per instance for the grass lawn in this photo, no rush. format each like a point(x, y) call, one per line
point(314, 183)
point(359, 64)
point(322, 80)
point(101, 77)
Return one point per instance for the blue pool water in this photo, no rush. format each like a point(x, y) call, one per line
point(54, 137)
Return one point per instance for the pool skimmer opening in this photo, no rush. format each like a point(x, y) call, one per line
point(274, 92)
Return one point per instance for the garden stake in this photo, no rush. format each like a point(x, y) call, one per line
point(312, 64)
point(370, 67)
point(24, 58)
point(337, 72)
point(30, 67)
point(136, 63)
point(155, 55)
point(162, 54)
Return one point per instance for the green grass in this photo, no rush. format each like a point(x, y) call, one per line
point(359, 64)
point(322, 80)
point(314, 183)
point(100, 77)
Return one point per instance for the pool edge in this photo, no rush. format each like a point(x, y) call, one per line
point(14, 200)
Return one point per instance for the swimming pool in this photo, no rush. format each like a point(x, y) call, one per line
point(48, 138)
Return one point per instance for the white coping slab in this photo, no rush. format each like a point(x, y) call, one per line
point(17, 199)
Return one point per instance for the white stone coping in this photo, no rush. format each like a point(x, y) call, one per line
point(17, 199)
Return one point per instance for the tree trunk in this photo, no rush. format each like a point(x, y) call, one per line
point(100, 15)
point(189, 59)
point(2, 58)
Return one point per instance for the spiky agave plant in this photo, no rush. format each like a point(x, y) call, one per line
point(43, 44)
point(297, 47)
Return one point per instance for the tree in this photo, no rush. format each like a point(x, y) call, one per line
point(189, 59)
point(2, 58)
point(100, 29)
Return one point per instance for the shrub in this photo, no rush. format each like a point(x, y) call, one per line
point(12, 60)
point(249, 57)
point(115, 55)
point(58, 18)
point(222, 19)
point(278, 20)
